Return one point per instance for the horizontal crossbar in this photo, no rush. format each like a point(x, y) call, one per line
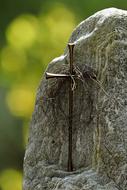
point(52, 75)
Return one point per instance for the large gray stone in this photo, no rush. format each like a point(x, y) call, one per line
point(100, 113)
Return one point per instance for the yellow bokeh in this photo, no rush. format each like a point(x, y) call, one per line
point(12, 60)
point(11, 179)
point(20, 101)
point(60, 21)
point(22, 32)
point(55, 29)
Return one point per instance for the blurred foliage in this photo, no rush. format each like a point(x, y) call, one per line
point(32, 33)
point(11, 179)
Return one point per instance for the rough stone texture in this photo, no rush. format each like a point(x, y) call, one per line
point(100, 113)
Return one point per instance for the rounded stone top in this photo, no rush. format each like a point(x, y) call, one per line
point(105, 20)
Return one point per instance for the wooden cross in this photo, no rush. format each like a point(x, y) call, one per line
point(70, 78)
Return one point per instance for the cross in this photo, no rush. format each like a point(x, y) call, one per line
point(70, 78)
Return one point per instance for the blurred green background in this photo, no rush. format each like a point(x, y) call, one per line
point(32, 33)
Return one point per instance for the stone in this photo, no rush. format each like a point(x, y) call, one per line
point(100, 112)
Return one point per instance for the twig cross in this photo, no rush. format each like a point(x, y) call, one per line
point(71, 81)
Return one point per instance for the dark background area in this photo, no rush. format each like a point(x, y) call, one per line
point(32, 33)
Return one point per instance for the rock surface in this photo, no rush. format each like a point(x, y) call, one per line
point(100, 113)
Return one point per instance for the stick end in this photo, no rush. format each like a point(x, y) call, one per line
point(71, 45)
